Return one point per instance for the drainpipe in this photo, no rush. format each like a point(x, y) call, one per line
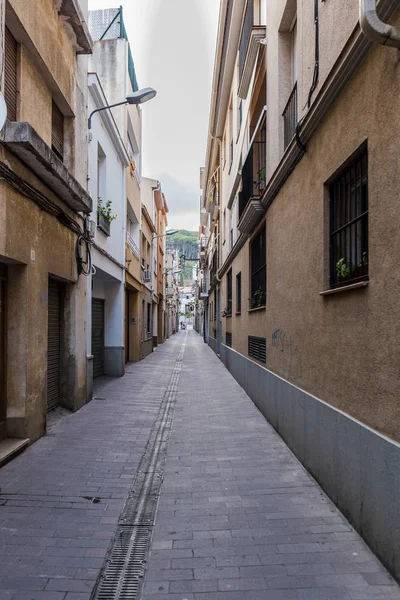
point(376, 30)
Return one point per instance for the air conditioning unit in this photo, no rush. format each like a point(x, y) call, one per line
point(146, 275)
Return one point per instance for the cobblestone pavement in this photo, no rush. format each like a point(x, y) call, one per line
point(238, 519)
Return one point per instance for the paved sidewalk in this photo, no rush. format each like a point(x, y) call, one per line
point(239, 518)
point(60, 500)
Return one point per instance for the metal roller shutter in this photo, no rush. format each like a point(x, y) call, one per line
point(10, 75)
point(98, 336)
point(53, 346)
point(3, 410)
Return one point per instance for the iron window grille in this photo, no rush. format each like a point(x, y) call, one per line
point(229, 292)
point(10, 74)
point(257, 348)
point(239, 292)
point(258, 266)
point(290, 117)
point(228, 339)
point(253, 171)
point(348, 195)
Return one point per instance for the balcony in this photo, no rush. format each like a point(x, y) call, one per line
point(132, 245)
point(23, 141)
point(146, 275)
point(204, 288)
point(290, 117)
point(250, 39)
point(71, 12)
point(253, 183)
point(169, 292)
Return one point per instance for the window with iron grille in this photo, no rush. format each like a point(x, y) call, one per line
point(215, 310)
point(257, 348)
point(348, 195)
point(258, 270)
point(228, 339)
point(10, 75)
point(239, 292)
point(229, 292)
point(57, 131)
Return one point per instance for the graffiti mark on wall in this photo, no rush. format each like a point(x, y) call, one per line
point(290, 358)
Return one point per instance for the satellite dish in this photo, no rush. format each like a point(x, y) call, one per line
point(3, 111)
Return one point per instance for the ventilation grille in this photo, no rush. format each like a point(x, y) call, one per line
point(258, 348)
point(229, 339)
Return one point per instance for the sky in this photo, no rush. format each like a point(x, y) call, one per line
point(173, 46)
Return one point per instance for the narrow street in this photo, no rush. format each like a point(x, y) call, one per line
point(238, 517)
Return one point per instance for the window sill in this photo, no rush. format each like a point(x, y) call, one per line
point(239, 312)
point(257, 308)
point(345, 288)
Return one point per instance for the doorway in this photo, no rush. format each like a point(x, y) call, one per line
point(53, 344)
point(98, 336)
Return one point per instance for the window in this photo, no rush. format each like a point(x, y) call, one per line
point(57, 131)
point(148, 328)
point(258, 270)
point(228, 339)
point(348, 195)
point(290, 111)
point(229, 292)
point(215, 310)
point(224, 151)
point(239, 292)
point(10, 75)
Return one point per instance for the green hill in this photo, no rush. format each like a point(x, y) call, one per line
point(185, 243)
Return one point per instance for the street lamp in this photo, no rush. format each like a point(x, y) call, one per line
point(169, 232)
point(139, 97)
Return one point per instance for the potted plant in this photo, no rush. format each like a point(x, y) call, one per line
point(104, 215)
point(362, 268)
point(343, 270)
point(261, 179)
point(257, 299)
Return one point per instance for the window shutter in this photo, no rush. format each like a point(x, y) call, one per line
point(57, 140)
point(10, 75)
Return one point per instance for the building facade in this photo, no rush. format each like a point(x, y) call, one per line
point(113, 61)
point(108, 162)
point(43, 202)
point(298, 211)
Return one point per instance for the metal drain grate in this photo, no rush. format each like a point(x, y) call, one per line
point(122, 575)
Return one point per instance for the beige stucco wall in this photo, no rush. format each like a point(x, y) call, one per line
point(24, 227)
point(342, 348)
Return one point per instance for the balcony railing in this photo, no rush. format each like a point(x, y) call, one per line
point(132, 245)
point(169, 292)
point(290, 117)
point(253, 171)
point(204, 287)
point(214, 265)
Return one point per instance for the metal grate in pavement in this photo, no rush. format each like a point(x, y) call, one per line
point(122, 575)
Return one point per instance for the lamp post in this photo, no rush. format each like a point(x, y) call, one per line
point(139, 97)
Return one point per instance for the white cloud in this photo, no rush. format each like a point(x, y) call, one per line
point(173, 44)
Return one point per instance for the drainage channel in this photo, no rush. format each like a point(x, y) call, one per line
point(121, 577)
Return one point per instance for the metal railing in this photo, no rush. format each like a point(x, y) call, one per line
point(253, 171)
point(133, 246)
point(246, 34)
point(290, 117)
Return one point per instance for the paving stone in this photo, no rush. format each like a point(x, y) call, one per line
point(239, 518)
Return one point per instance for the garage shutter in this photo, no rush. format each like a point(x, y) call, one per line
point(10, 75)
point(53, 346)
point(98, 336)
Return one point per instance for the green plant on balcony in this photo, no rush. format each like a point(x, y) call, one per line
point(105, 210)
